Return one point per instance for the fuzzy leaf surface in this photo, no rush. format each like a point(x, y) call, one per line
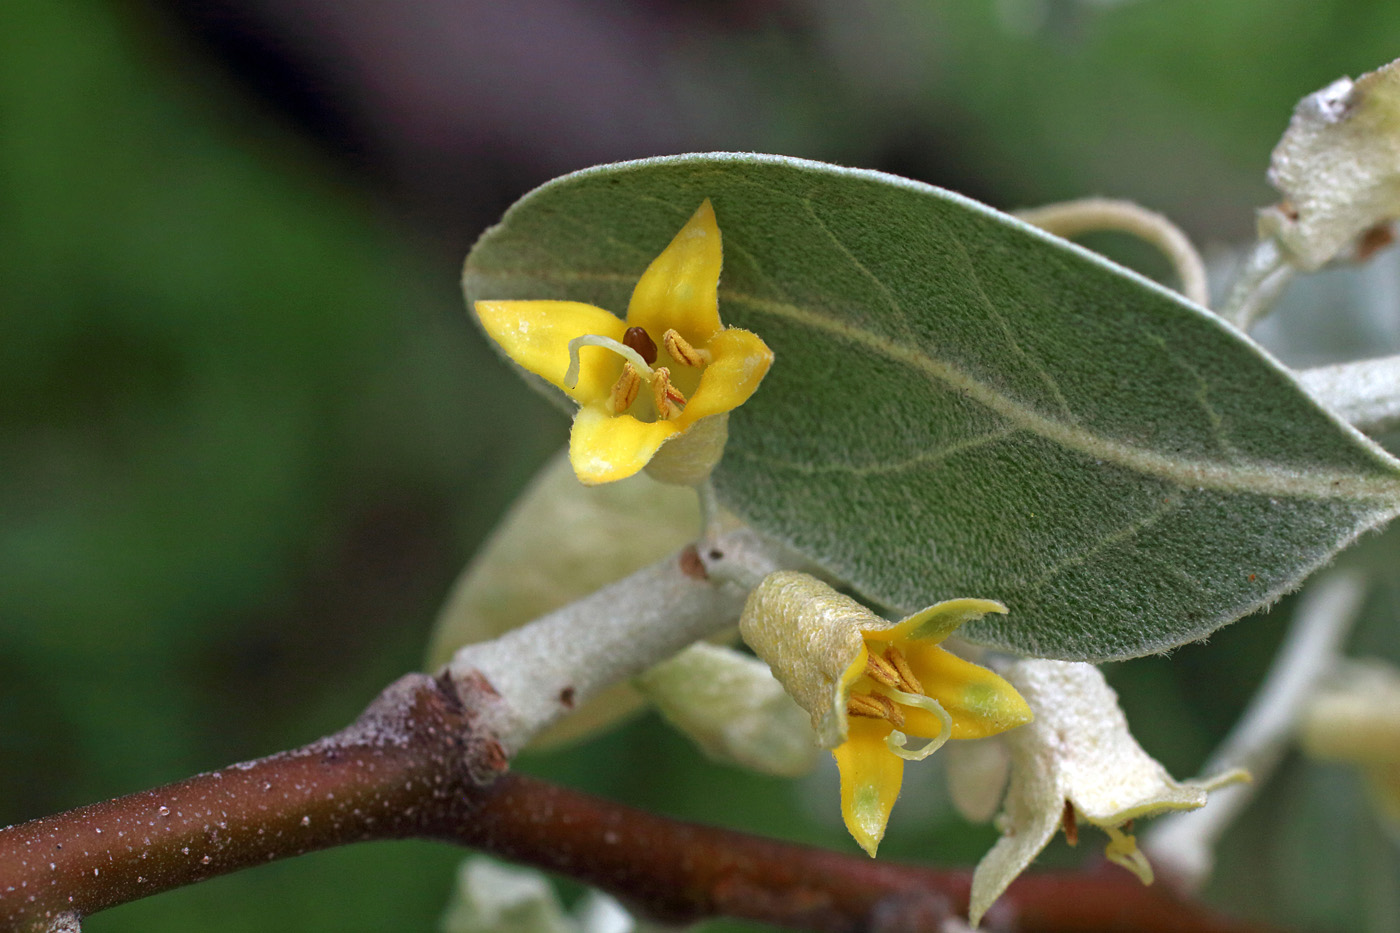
point(964, 406)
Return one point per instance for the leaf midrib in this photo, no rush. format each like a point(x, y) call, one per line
point(1182, 472)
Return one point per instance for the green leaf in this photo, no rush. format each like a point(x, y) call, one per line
point(964, 406)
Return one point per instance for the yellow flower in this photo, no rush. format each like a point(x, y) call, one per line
point(671, 372)
point(869, 685)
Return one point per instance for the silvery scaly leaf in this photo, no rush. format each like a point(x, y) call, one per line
point(963, 404)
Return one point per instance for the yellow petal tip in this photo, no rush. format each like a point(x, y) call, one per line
point(870, 780)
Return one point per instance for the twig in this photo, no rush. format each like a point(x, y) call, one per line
point(683, 873)
point(1072, 218)
point(402, 766)
point(1365, 393)
point(407, 768)
point(1258, 284)
point(543, 670)
point(1183, 844)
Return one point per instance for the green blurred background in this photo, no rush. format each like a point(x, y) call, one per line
point(248, 437)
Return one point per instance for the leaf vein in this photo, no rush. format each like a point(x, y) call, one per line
point(1202, 398)
point(855, 261)
point(1000, 319)
point(1186, 473)
point(1118, 536)
point(926, 459)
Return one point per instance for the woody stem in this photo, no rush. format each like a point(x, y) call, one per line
point(542, 670)
point(1183, 844)
point(1365, 392)
point(420, 763)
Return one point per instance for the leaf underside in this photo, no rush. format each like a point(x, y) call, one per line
point(964, 406)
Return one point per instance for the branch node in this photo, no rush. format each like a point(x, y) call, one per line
point(62, 923)
point(484, 756)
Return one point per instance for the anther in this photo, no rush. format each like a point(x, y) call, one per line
point(882, 671)
point(1070, 824)
point(624, 391)
point(874, 706)
point(638, 339)
point(669, 400)
point(682, 351)
point(897, 660)
point(861, 704)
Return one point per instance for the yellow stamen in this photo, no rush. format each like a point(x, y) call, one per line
point(892, 670)
point(882, 671)
point(624, 391)
point(874, 706)
point(669, 400)
point(896, 659)
point(682, 351)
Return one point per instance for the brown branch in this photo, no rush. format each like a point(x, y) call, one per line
point(683, 872)
point(412, 766)
point(392, 774)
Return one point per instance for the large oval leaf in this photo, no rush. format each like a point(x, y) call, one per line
point(964, 406)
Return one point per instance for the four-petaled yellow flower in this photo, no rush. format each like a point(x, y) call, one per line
point(668, 375)
point(869, 684)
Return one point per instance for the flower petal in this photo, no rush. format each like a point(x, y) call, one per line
point(680, 289)
point(536, 335)
point(870, 780)
point(977, 774)
point(980, 702)
point(1035, 804)
point(1338, 166)
point(940, 620)
point(740, 361)
point(605, 447)
point(809, 635)
point(1105, 771)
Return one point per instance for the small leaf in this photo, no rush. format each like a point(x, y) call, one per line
point(963, 404)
